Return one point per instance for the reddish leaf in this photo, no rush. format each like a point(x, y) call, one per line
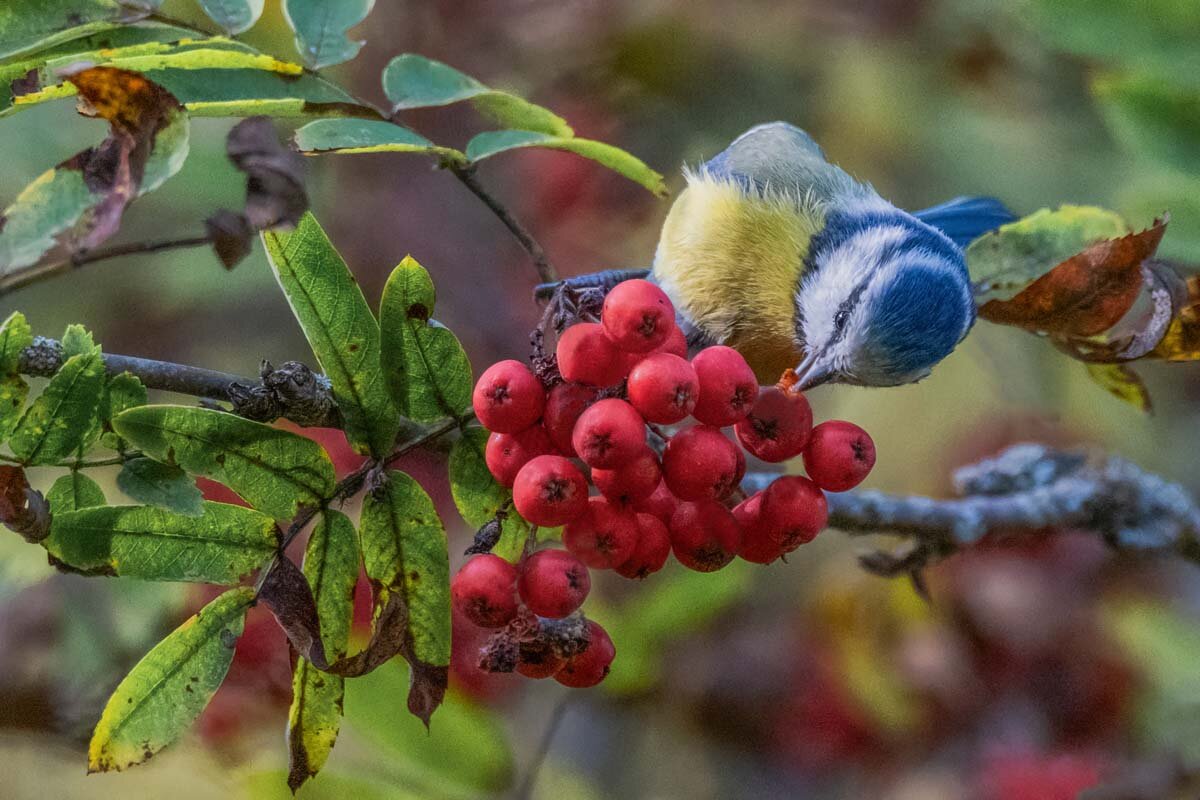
point(274, 175)
point(287, 593)
point(22, 509)
point(1086, 294)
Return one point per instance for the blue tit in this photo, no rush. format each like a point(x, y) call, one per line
point(782, 255)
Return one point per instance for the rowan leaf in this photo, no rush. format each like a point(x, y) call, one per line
point(74, 491)
point(274, 470)
point(274, 175)
point(1087, 293)
point(235, 16)
point(15, 336)
point(413, 81)
point(165, 691)
point(321, 26)
point(1005, 261)
point(1181, 342)
point(222, 545)
point(340, 328)
point(480, 499)
point(28, 25)
point(427, 370)
point(80, 202)
point(1123, 383)
point(124, 390)
point(164, 485)
point(367, 136)
point(489, 143)
point(331, 564)
point(57, 422)
point(404, 553)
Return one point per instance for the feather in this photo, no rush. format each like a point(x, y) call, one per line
point(965, 219)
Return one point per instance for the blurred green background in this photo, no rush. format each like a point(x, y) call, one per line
point(1036, 670)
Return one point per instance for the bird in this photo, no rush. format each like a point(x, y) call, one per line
point(775, 251)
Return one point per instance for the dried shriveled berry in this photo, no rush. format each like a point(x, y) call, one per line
point(591, 666)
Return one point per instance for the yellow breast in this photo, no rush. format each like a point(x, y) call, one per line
point(731, 262)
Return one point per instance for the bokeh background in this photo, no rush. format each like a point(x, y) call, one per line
point(1037, 670)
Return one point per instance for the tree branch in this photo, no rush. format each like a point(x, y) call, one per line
point(19, 278)
point(293, 390)
point(1024, 490)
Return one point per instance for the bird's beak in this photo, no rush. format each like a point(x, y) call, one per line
point(811, 373)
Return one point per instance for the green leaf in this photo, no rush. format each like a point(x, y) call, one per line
point(413, 81)
point(222, 545)
point(163, 485)
point(234, 16)
point(467, 753)
point(479, 497)
point(1153, 117)
point(427, 369)
point(165, 691)
point(490, 143)
point(1005, 261)
point(331, 567)
point(121, 392)
point(212, 53)
point(55, 424)
point(273, 469)
point(74, 491)
point(15, 336)
point(27, 25)
point(367, 136)
point(404, 553)
point(321, 27)
point(340, 328)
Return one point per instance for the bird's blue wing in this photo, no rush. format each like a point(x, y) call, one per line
point(965, 219)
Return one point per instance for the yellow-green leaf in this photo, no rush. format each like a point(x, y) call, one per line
point(1122, 383)
point(273, 469)
point(404, 553)
point(165, 691)
point(427, 369)
point(1005, 261)
point(490, 143)
point(340, 328)
point(413, 81)
point(367, 136)
point(222, 545)
point(479, 497)
point(55, 424)
point(331, 567)
point(15, 336)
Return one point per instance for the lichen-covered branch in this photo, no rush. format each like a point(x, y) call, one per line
point(292, 390)
point(1025, 489)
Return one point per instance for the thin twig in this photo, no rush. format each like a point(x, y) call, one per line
point(20, 278)
point(546, 271)
point(524, 790)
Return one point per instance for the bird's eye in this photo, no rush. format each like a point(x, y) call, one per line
point(841, 318)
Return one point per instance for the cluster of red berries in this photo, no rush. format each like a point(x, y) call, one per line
point(621, 376)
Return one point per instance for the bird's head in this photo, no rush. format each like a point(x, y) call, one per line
point(886, 299)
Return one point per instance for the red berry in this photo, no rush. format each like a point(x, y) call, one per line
point(705, 536)
point(609, 434)
point(564, 403)
point(758, 543)
point(794, 511)
point(484, 590)
point(699, 463)
point(653, 547)
point(538, 662)
point(550, 490)
point(778, 425)
point(661, 504)
point(663, 388)
point(506, 453)
point(508, 397)
point(637, 316)
point(839, 455)
point(728, 387)
point(553, 583)
point(675, 344)
point(585, 355)
point(632, 482)
point(603, 536)
point(591, 666)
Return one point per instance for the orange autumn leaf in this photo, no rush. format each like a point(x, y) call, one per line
point(1086, 294)
point(126, 99)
